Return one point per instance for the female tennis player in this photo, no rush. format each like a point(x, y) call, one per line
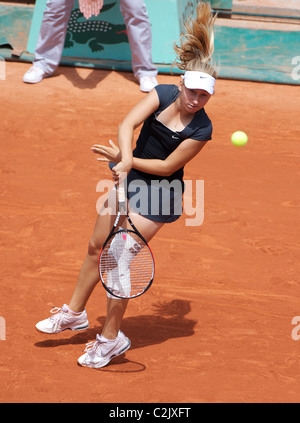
point(175, 129)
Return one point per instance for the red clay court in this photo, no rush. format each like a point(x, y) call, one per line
point(216, 325)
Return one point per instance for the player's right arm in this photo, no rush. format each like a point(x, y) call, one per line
point(123, 156)
point(132, 121)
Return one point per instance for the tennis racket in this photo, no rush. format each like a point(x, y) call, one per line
point(126, 263)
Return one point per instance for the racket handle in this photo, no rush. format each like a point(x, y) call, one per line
point(121, 193)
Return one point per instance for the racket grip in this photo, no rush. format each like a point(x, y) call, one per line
point(121, 193)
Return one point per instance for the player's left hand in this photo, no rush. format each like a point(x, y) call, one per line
point(111, 154)
point(90, 7)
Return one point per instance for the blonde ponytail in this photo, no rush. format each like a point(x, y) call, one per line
point(197, 44)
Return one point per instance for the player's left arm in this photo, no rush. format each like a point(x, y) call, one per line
point(184, 153)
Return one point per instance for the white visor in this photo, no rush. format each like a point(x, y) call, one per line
point(199, 81)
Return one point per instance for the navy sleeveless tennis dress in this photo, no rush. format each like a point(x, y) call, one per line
point(159, 198)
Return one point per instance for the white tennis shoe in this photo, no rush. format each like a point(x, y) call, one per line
point(100, 352)
point(147, 83)
point(34, 75)
point(63, 319)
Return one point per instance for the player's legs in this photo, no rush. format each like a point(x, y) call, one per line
point(89, 276)
point(52, 34)
point(112, 342)
point(138, 26)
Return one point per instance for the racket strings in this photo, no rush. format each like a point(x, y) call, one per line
point(126, 265)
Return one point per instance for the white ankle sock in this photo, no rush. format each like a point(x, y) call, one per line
point(73, 312)
point(107, 340)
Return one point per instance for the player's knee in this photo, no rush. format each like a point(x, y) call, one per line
point(93, 248)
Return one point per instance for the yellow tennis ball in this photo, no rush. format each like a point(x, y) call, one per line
point(239, 138)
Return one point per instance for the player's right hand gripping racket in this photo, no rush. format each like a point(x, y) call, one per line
point(126, 263)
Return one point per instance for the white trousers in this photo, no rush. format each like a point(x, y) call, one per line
point(53, 31)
